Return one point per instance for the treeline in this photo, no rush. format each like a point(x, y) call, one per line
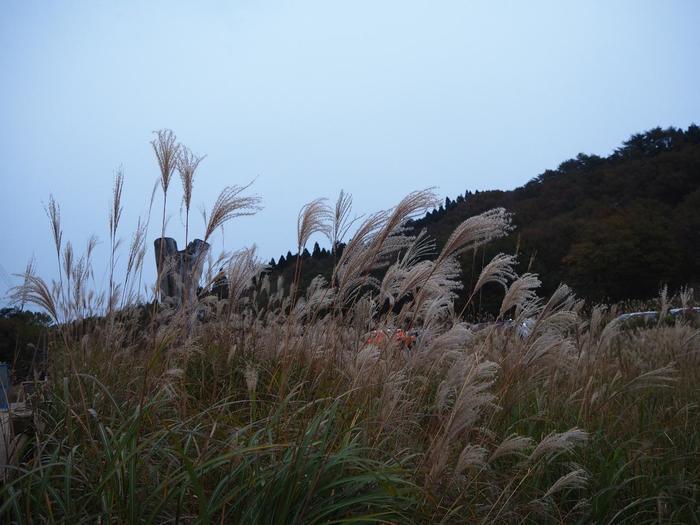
point(23, 341)
point(614, 228)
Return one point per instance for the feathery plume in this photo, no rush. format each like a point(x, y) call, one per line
point(115, 213)
point(512, 445)
point(115, 210)
point(187, 164)
point(476, 231)
point(242, 268)
point(68, 261)
point(341, 219)
point(377, 239)
point(314, 217)
point(499, 270)
point(21, 296)
point(471, 457)
point(558, 442)
point(520, 293)
point(137, 252)
point(576, 479)
point(166, 149)
point(53, 211)
point(231, 204)
point(35, 291)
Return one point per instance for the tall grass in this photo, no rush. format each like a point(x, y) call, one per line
point(276, 406)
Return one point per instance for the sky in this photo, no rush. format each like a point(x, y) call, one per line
point(311, 97)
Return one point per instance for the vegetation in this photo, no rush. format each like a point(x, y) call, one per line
point(22, 340)
point(613, 229)
point(277, 404)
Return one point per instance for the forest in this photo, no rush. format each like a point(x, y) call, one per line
point(613, 228)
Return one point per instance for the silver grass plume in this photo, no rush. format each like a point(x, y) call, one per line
point(68, 262)
point(115, 209)
point(664, 377)
point(166, 148)
point(575, 479)
point(231, 204)
point(115, 213)
point(476, 231)
point(461, 397)
point(34, 290)
point(557, 443)
point(686, 296)
point(242, 268)
point(314, 217)
point(341, 219)
point(410, 271)
point(512, 445)
point(21, 292)
point(356, 255)
point(137, 252)
point(376, 240)
point(389, 238)
point(187, 164)
point(53, 211)
point(471, 457)
point(520, 293)
point(499, 270)
point(318, 297)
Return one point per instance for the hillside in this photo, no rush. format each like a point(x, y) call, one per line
point(613, 228)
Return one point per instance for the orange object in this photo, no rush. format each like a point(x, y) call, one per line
point(399, 337)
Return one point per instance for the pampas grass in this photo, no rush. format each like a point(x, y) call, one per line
point(187, 164)
point(229, 205)
point(115, 213)
point(342, 223)
point(289, 405)
point(314, 217)
point(53, 211)
point(166, 149)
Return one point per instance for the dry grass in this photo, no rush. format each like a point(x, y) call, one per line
point(229, 205)
point(266, 409)
point(187, 165)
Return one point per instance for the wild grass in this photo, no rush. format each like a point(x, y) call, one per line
point(274, 405)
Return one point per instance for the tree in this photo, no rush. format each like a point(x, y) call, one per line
point(22, 339)
point(627, 254)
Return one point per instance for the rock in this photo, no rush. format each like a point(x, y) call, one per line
point(179, 271)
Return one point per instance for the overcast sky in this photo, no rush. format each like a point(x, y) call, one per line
point(377, 98)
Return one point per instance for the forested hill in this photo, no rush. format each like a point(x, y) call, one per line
point(613, 228)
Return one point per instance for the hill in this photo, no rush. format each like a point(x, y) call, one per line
point(613, 228)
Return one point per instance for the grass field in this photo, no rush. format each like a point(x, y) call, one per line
point(276, 406)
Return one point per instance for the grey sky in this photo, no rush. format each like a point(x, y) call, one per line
point(378, 98)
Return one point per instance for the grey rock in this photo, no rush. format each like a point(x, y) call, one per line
point(179, 270)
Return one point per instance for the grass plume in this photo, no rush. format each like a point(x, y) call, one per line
point(263, 407)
